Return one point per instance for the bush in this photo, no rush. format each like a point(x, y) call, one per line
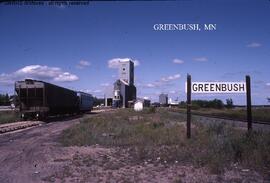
point(229, 103)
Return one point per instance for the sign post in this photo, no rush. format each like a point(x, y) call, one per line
point(249, 112)
point(188, 105)
point(218, 87)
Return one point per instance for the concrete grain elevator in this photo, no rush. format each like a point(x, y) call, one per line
point(124, 92)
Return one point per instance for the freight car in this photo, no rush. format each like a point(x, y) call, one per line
point(86, 101)
point(39, 99)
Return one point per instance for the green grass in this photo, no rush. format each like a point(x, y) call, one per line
point(9, 116)
point(161, 136)
point(124, 128)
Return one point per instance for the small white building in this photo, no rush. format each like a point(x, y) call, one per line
point(173, 103)
point(138, 106)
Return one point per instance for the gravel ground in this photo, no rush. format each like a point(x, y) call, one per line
point(35, 155)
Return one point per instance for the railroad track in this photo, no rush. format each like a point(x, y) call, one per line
point(9, 127)
point(18, 126)
point(227, 118)
point(231, 119)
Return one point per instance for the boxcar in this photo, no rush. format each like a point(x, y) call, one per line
point(40, 99)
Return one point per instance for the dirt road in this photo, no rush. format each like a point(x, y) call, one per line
point(25, 155)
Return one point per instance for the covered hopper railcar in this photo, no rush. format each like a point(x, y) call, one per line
point(86, 101)
point(39, 99)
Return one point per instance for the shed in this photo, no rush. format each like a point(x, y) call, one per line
point(138, 106)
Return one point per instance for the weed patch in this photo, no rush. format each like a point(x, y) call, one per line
point(161, 137)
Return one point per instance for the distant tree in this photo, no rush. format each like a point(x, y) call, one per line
point(4, 99)
point(1, 99)
point(268, 99)
point(229, 103)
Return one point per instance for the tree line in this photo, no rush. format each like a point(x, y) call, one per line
point(216, 104)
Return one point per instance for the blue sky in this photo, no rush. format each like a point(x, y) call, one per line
point(74, 46)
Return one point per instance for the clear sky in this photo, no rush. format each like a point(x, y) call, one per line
point(77, 46)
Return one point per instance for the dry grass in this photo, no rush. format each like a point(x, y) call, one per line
point(159, 136)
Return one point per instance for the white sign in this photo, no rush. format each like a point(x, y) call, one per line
point(217, 87)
